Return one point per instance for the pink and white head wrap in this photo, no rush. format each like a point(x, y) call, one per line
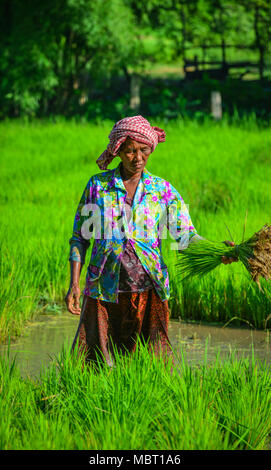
point(135, 127)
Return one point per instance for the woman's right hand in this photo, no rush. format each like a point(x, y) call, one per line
point(72, 299)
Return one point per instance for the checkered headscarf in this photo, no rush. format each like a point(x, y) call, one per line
point(137, 128)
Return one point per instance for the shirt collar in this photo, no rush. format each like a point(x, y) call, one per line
point(117, 182)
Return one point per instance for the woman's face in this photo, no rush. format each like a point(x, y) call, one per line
point(134, 155)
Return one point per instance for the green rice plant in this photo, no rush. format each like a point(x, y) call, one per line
point(203, 256)
point(241, 413)
point(142, 403)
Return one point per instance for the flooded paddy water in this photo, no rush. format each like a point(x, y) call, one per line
point(44, 338)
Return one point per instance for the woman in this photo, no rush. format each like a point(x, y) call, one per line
point(127, 286)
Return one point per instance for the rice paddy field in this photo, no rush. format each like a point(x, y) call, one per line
point(223, 172)
point(140, 404)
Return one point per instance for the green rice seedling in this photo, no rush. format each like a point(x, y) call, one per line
point(242, 404)
point(255, 253)
point(141, 403)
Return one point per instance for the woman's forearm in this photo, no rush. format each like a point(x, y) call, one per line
point(76, 268)
point(77, 260)
point(72, 298)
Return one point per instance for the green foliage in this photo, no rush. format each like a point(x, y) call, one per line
point(218, 406)
point(59, 43)
point(68, 57)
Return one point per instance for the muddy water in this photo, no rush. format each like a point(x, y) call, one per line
point(43, 339)
point(201, 342)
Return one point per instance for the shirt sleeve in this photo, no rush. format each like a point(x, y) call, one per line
point(78, 243)
point(179, 222)
point(196, 238)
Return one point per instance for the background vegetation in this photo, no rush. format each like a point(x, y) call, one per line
point(78, 57)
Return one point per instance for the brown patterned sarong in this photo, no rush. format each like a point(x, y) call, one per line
point(104, 326)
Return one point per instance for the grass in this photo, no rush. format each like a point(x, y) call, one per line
point(222, 170)
point(207, 407)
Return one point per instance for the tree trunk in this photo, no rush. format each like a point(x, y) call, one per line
point(183, 44)
point(65, 73)
point(261, 62)
point(260, 46)
point(223, 47)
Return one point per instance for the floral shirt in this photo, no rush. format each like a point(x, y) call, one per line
point(133, 277)
point(157, 209)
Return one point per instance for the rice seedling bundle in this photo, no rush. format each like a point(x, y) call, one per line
point(203, 256)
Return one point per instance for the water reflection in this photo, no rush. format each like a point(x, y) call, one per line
point(45, 337)
point(201, 342)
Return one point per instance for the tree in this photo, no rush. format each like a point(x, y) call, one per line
point(49, 48)
point(262, 29)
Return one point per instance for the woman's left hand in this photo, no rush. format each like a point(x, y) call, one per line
point(227, 259)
